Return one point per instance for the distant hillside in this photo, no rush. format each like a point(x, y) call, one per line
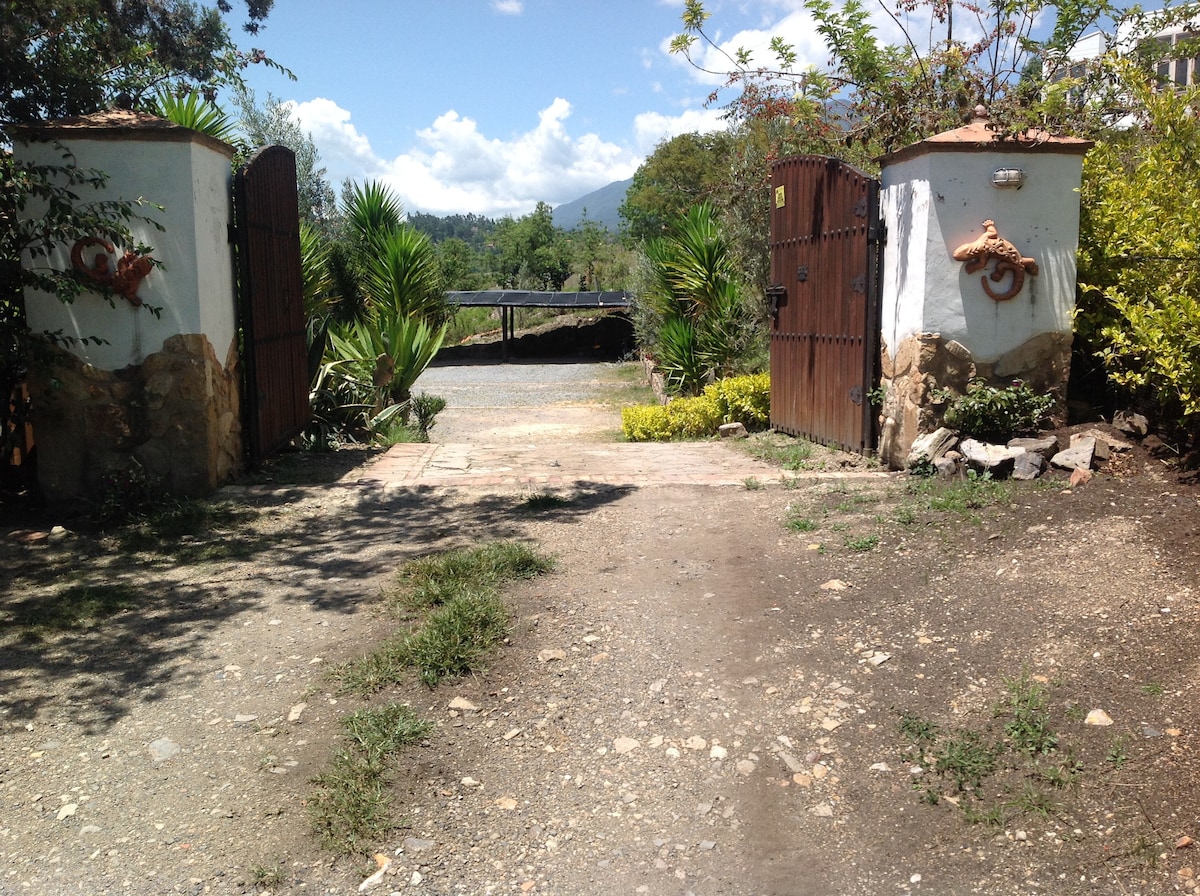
point(601, 206)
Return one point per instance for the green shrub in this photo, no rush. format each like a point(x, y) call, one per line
point(743, 399)
point(740, 399)
point(996, 414)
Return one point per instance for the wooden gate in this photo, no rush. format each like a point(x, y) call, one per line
point(271, 300)
point(825, 234)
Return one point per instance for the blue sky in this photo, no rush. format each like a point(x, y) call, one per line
point(490, 106)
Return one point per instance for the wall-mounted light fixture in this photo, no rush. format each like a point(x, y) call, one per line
point(1008, 178)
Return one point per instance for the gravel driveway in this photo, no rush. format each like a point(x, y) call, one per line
point(703, 698)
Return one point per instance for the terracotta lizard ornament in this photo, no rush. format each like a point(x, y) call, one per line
point(991, 246)
point(131, 268)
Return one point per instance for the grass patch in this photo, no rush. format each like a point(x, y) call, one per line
point(796, 521)
point(752, 485)
point(862, 543)
point(540, 502)
point(75, 607)
point(464, 616)
point(1027, 706)
point(268, 877)
point(790, 454)
point(455, 637)
point(961, 497)
point(432, 581)
point(966, 758)
point(350, 810)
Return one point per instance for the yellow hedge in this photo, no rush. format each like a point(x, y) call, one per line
point(738, 399)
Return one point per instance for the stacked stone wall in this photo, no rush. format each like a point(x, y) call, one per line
point(926, 372)
point(176, 416)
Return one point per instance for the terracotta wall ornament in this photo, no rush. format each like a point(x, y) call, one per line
point(131, 268)
point(989, 247)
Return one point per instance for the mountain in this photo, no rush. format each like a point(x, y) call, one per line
point(601, 206)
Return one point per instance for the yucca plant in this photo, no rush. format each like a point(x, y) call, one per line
point(693, 319)
point(390, 351)
point(402, 276)
point(192, 110)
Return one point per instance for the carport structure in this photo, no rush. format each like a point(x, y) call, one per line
point(509, 299)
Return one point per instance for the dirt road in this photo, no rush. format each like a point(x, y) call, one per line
point(720, 690)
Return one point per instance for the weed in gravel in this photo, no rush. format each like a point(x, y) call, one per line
point(966, 759)
point(904, 515)
point(1118, 754)
point(455, 637)
point(75, 607)
point(793, 454)
point(862, 543)
point(539, 502)
point(1152, 689)
point(796, 521)
point(1027, 707)
point(752, 484)
point(268, 877)
point(918, 730)
point(961, 497)
point(349, 810)
point(380, 731)
point(1033, 801)
point(991, 816)
point(432, 581)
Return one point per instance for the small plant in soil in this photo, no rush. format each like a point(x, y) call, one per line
point(1118, 753)
point(268, 877)
point(350, 810)
point(752, 485)
point(917, 730)
point(791, 454)
point(543, 501)
point(1027, 707)
point(430, 581)
point(967, 759)
point(862, 543)
point(797, 522)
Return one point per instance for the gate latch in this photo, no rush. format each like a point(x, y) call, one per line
point(802, 273)
point(856, 394)
point(776, 297)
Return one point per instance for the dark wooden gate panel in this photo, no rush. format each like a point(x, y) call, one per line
point(271, 300)
point(824, 274)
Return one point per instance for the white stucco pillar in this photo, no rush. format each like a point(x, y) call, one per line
point(160, 391)
point(1001, 310)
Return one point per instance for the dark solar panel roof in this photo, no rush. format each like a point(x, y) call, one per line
point(525, 298)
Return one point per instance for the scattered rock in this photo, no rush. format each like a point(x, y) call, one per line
point(163, 748)
point(1099, 718)
point(1029, 465)
point(929, 448)
point(1080, 477)
point(1183, 842)
point(1132, 423)
point(695, 742)
point(506, 803)
point(376, 879)
point(1101, 451)
point(551, 654)
point(416, 844)
point(295, 712)
point(462, 704)
point(623, 745)
point(67, 811)
point(732, 431)
point(718, 752)
point(746, 767)
point(1077, 457)
point(822, 810)
point(994, 459)
point(834, 585)
point(1044, 447)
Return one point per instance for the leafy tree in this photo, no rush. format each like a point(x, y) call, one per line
point(273, 123)
point(681, 172)
point(532, 252)
point(1139, 303)
point(459, 264)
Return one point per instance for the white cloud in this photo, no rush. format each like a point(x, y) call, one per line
point(455, 168)
point(509, 7)
point(651, 128)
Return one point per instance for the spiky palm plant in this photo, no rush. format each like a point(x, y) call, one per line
point(192, 110)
